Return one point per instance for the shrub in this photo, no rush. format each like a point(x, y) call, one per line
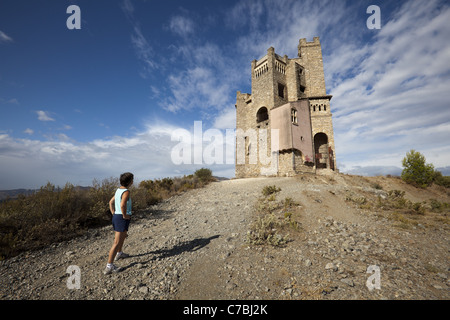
point(264, 231)
point(441, 180)
point(54, 214)
point(204, 174)
point(268, 190)
point(416, 171)
point(437, 206)
point(273, 220)
point(395, 201)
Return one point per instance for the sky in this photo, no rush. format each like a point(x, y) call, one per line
point(110, 97)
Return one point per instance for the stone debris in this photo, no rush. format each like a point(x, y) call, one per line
point(193, 246)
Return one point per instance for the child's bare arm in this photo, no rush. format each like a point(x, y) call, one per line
point(111, 205)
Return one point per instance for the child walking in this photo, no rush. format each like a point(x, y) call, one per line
point(120, 206)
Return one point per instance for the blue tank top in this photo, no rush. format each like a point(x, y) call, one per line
point(118, 200)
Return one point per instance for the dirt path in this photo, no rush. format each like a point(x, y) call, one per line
point(193, 246)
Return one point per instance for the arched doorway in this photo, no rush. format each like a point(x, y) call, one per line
point(321, 150)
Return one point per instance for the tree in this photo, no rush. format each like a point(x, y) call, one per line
point(416, 171)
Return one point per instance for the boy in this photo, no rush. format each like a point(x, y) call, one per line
point(121, 220)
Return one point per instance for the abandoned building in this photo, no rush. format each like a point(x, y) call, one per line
point(288, 102)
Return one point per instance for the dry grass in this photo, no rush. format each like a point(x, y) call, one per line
point(54, 214)
point(274, 219)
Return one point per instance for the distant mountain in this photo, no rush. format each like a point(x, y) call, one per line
point(14, 193)
point(221, 178)
point(444, 170)
point(373, 171)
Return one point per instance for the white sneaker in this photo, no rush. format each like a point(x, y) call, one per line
point(112, 269)
point(121, 255)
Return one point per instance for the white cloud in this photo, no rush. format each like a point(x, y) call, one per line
point(197, 88)
point(226, 119)
point(128, 8)
point(143, 50)
point(13, 101)
point(44, 116)
point(391, 95)
point(30, 163)
point(4, 37)
point(181, 26)
point(29, 131)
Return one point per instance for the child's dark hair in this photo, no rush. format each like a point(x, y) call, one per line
point(126, 179)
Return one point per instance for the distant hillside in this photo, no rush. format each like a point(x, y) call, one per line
point(373, 171)
point(14, 193)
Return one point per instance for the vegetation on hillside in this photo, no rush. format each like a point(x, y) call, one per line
point(54, 214)
point(419, 173)
point(274, 219)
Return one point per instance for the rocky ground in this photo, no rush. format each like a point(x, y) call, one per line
point(194, 246)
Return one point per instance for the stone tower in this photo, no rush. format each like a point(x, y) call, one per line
point(284, 126)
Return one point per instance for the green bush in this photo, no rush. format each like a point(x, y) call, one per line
point(441, 180)
point(204, 174)
point(416, 171)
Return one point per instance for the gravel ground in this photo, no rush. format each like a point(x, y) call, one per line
point(194, 246)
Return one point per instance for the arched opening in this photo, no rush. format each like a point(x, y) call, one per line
point(262, 114)
point(321, 150)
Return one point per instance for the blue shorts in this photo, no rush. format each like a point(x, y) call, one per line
point(119, 223)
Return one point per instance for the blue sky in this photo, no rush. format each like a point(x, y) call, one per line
point(92, 103)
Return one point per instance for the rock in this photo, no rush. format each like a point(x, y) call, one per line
point(143, 290)
point(193, 246)
point(331, 266)
point(348, 282)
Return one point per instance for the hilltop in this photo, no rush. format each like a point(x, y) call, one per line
point(327, 230)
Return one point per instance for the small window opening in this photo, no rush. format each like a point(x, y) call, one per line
point(294, 116)
point(281, 88)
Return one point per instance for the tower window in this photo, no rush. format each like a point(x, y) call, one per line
point(281, 88)
point(262, 114)
point(294, 116)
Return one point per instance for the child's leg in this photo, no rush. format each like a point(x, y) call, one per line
point(122, 240)
point(119, 237)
